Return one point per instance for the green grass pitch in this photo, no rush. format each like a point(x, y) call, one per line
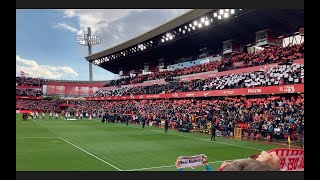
point(59, 145)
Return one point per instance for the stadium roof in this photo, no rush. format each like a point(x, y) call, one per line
point(241, 26)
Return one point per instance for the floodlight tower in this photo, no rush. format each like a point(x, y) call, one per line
point(89, 40)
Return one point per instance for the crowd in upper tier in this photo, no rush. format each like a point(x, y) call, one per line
point(283, 74)
point(268, 55)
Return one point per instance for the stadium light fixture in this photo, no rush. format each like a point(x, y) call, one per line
point(89, 40)
point(195, 23)
point(193, 27)
point(190, 25)
point(162, 40)
point(215, 14)
point(226, 15)
point(151, 42)
point(168, 39)
point(221, 11)
point(168, 34)
point(183, 31)
point(227, 10)
point(232, 11)
point(179, 29)
point(211, 20)
point(240, 9)
point(202, 19)
point(219, 17)
point(189, 29)
point(185, 27)
point(206, 23)
point(199, 25)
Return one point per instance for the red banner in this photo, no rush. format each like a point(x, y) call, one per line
point(290, 159)
point(23, 111)
point(72, 89)
point(295, 88)
point(29, 97)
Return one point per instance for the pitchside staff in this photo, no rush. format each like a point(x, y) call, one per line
point(142, 120)
point(127, 119)
point(166, 125)
point(213, 131)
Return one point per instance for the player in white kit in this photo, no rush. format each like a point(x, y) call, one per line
point(50, 115)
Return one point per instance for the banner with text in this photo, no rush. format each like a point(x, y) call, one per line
point(290, 159)
point(282, 89)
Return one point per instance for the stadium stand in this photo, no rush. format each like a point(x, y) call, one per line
point(284, 74)
point(266, 56)
point(28, 81)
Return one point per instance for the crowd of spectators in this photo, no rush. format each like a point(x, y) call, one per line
point(29, 92)
point(28, 81)
point(268, 55)
point(266, 116)
point(283, 74)
point(36, 105)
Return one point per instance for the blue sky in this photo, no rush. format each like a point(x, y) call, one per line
point(46, 39)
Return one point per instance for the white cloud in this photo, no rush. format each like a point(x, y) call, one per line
point(66, 26)
point(116, 26)
point(46, 71)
